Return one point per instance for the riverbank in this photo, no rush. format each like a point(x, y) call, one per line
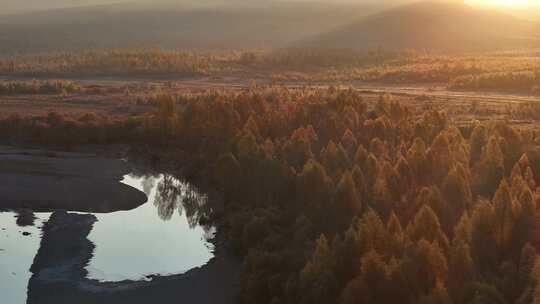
point(82, 179)
point(42, 180)
point(59, 275)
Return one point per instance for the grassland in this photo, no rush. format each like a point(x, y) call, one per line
point(510, 72)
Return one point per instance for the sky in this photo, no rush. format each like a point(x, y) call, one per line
point(507, 3)
point(18, 5)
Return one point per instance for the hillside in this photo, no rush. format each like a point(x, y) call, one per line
point(440, 26)
point(182, 24)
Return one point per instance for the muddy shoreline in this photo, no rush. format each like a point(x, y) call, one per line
point(59, 275)
point(58, 270)
point(43, 180)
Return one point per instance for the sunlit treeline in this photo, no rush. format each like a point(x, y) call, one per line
point(505, 71)
point(417, 68)
point(55, 129)
point(124, 62)
point(38, 87)
point(332, 200)
point(526, 82)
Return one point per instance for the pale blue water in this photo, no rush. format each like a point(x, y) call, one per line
point(16, 256)
point(161, 237)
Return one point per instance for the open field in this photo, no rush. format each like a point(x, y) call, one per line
point(511, 72)
point(124, 97)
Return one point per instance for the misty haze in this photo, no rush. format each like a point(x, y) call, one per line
point(279, 152)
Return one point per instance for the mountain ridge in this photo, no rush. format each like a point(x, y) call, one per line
point(442, 26)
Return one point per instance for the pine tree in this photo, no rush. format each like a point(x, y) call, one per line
point(424, 266)
point(526, 264)
point(479, 138)
point(361, 156)
point(461, 270)
point(371, 172)
point(317, 279)
point(396, 243)
point(360, 182)
point(346, 201)
point(404, 174)
point(347, 253)
point(456, 191)
point(504, 216)
point(438, 295)
point(297, 150)
point(490, 168)
point(378, 148)
point(372, 233)
point(483, 230)
point(371, 286)
point(313, 187)
point(426, 226)
point(349, 142)
point(439, 157)
point(432, 197)
point(417, 159)
point(462, 231)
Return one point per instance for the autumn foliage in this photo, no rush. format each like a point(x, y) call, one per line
point(330, 199)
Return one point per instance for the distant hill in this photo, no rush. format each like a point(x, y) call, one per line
point(177, 24)
point(440, 25)
point(224, 24)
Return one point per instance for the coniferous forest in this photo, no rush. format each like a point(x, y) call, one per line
point(270, 152)
point(332, 199)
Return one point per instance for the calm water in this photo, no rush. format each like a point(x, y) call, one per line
point(160, 237)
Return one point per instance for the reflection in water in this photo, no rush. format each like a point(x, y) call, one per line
point(58, 267)
point(167, 197)
point(25, 217)
point(174, 194)
point(151, 239)
point(148, 240)
point(148, 184)
point(17, 252)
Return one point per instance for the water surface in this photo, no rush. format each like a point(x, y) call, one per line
point(161, 237)
point(16, 255)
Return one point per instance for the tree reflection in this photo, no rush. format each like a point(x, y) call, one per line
point(25, 217)
point(173, 194)
point(148, 184)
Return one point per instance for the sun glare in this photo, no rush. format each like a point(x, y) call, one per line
point(507, 3)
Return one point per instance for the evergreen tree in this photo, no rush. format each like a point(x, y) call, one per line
point(346, 201)
point(479, 138)
point(461, 271)
point(317, 280)
point(504, 216)
point(483, 244)
point(425, 226)
point(313, 187)
point(417, 159)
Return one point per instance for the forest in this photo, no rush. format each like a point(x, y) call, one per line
point(38, 87)
point(272, 152)
point(115, 62)
point(506, 72)
point(334, 199)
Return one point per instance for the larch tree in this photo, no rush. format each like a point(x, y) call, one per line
point(461, 270)
point(456, 190)
point(317, 279)
point(426, 226)
point(346, 201)
point(505, 211)
point(313, 187)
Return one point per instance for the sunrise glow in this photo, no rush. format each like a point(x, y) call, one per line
point(507, 3)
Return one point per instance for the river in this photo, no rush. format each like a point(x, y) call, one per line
point(161, 237)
